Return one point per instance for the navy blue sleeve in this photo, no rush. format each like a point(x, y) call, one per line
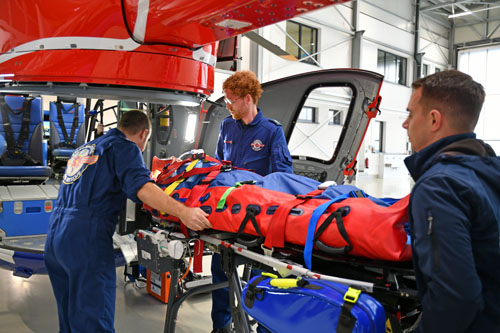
point(450, 288)
point(281, 160)
point(219, 150)
point(130, 169)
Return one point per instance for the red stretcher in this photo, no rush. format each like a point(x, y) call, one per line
point(356, 226)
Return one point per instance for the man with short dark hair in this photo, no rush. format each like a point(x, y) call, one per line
point(454, 206)
point(79, 253)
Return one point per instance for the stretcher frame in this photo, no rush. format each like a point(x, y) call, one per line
point(388, 283)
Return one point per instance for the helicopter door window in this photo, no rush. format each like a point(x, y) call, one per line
point(313, 135)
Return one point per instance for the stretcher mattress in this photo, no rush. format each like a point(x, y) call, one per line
point(286, 208)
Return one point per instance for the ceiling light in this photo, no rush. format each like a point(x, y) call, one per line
point(468, 12)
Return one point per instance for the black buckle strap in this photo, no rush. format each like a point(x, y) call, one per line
point(252, 211)
point(303, 197)
point(346, 319)
point(337, 215)
point(68, 140)
point(253, 292)
point(14, 147)
point(357, 194)
point(25, 125)
point(199, 156)
point(15, 154)
point(226, 166)
point(75, 123)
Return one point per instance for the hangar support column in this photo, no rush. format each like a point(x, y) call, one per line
point(417, 56)
point(358, 37)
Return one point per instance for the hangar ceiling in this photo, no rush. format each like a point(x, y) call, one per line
point(471, 23)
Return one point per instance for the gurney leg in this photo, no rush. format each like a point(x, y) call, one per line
point(172, 309)
point(230, 262)
point(174, 304)
point(240, 318)
point(247, 272)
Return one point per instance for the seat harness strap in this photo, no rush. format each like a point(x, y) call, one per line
point(15, 148)
point(68, 140)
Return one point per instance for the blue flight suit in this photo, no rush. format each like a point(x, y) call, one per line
point(261, 147)
point(79, 253)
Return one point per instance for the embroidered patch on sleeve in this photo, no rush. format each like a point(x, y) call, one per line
point(78, 163)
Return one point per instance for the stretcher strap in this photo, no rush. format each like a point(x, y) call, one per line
point(169, 169)
point(311, 229)
point(173, 185)
point(165, 178)
point(276, 233)
point(189, 173)
point(198, 256)
point(337, 215)
point(222, 200)
point(250, 216)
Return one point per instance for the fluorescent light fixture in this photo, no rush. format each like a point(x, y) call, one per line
point(190, 127)
point(468, 12)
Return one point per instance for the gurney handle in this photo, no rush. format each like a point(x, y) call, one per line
point(330, 250)
point(285, 266)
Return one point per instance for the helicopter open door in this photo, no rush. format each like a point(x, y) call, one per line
point(324, 115)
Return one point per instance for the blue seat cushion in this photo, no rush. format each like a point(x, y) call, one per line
point(25, 171)
point(63, 152)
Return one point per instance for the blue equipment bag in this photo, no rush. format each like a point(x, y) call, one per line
point(310, 305)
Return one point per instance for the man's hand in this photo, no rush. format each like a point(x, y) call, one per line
point(195, 219)
point(174, 159)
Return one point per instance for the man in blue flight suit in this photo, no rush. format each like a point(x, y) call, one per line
point(79, 253)
point(249, 141)
point(454, 207)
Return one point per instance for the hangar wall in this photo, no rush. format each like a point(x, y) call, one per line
point(387, 28)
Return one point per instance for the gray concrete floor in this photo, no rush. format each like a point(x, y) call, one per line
point(28, 305)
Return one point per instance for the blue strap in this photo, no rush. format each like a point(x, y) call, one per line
point(311, 229)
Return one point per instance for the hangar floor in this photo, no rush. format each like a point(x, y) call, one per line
point(28, 305)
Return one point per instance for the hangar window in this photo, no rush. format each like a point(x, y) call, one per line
point(378, 136)
point(302, 41)
point(425, 70)
point(317, 139)
point(307, 115)
point(393, 67)
point(334, 117)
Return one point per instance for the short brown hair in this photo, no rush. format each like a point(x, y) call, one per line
point(134, 121)
point(242, 83)
point(455, 94)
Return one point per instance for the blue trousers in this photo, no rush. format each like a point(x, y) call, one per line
point(79, 258)
point(221, 311)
